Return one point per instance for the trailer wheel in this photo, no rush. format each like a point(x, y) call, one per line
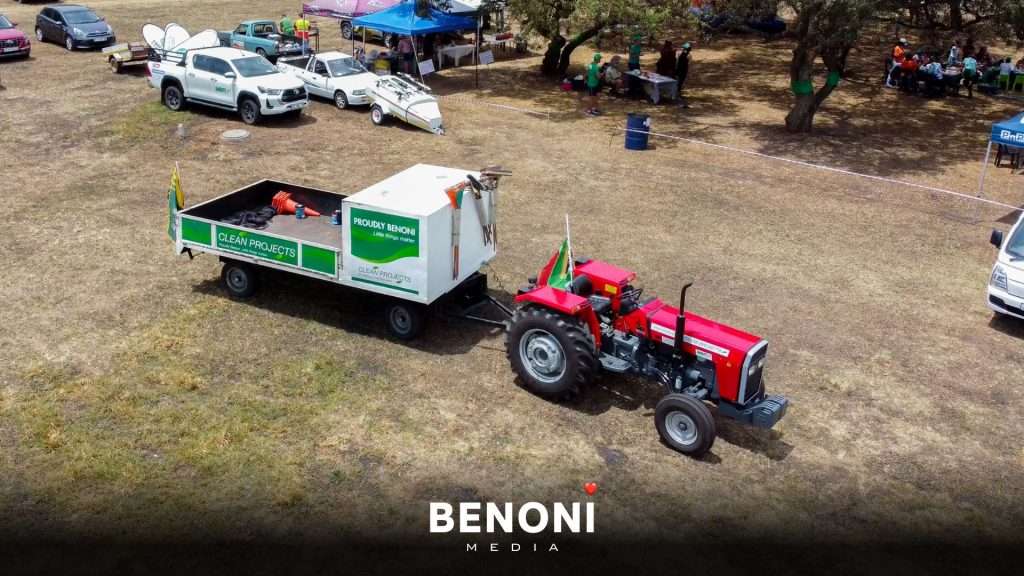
point(115, 65)
point(404, 319)
point(553, 353)
point(685, 424)
point(239, 279)
point(377, 115)
point(173, 98)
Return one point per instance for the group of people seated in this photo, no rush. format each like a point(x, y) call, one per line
point(928, 73)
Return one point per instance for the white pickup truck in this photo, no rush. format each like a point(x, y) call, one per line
point(226, 78)
point(333, 75)
point(1006, 284)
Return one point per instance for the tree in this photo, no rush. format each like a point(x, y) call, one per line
point(827, 29)
point(583, 20)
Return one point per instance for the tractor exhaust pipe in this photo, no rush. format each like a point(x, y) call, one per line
point(681, 318)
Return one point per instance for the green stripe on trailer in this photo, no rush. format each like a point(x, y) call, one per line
point(319, 259)
point(196, 231)
point(250, 243)
point(383, 285)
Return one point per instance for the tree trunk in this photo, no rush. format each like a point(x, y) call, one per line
point(549, 66)
point(564, 60)
point(956, 16)
point(801, 68)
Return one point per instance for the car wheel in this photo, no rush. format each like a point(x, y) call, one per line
point(340, 100)
point(39, 34)
point(173, 98)
point(377, 115)
point(69, 43)
point(250, 111)
point(261, 52)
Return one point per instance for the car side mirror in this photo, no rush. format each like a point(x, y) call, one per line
point(997, 238)
point(229, 75)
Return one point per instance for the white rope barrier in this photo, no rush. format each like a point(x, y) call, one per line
point(827, 168)
point(466, 100)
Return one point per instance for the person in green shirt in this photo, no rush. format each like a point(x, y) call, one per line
point(594, 84)
point(635, 49)
point(287, 26)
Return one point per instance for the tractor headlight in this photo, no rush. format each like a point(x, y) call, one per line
point(755, 366)
point(271, 91)
point(998, 278)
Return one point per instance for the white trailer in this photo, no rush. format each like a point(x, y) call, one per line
point(415, 238)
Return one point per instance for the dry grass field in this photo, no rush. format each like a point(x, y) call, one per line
point(139, 403)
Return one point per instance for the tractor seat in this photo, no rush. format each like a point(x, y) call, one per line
point(602, 305)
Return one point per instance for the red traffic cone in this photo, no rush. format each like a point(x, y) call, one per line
point(284, 204)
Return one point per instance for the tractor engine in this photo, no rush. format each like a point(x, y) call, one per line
point(609, 326)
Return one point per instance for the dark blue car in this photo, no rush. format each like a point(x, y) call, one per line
point(73, 26)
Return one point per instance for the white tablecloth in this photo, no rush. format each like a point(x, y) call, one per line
point(454, 52)
point(655, 84)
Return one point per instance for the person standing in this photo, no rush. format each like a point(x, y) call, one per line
point(682, 71)
point(287, 26)
point(667, 63)
point(954, 55)
point(635, 49)
point(970, 73)
point(405, 51)
point(302, 31)
point(593, 85)
point(896, 58)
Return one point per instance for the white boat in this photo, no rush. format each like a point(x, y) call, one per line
point(406, 99)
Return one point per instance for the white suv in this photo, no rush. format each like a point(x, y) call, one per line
point(226, 78)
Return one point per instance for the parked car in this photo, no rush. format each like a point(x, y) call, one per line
point(13, 42)
point(263, 38)
point(74, 26)
point(225, 78)
point(1006, 284)
point(333, 75)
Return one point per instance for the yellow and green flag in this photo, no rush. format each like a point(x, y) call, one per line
point(175, 202)
point(558, 272)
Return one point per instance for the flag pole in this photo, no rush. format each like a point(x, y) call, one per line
point(568, 240)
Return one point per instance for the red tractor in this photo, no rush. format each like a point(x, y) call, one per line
point(561, 338)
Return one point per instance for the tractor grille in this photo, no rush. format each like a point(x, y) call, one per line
point(754, 385)
point(293, 94)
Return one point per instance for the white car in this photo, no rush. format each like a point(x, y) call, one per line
point(407, 100)
point(333, 75)
point(226, 78)
point(1006, 284)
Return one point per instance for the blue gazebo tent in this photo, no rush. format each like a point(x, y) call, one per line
point(1006, 133)
point(402, 19)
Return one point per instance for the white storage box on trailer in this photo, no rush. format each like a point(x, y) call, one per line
point(404, 236)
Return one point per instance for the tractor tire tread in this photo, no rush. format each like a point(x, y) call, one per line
point(582, 359)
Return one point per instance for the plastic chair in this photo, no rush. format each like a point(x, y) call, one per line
point(1018, 82)
point(1003, 81)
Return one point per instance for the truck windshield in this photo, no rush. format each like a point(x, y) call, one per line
point(5, 23)
point(345, 67)
point(81, 17)
point(1015, 246)
point(254, 66)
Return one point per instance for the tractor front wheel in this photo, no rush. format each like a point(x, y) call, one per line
point(685, 424)
point(553, 353)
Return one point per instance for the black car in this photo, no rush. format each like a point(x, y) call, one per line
point(73, 26)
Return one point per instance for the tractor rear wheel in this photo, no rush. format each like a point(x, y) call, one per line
point(685, 424)
point(553, 353)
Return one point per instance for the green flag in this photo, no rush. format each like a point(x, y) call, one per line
point(560, 275)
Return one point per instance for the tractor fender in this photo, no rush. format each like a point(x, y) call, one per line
point(566, 303)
